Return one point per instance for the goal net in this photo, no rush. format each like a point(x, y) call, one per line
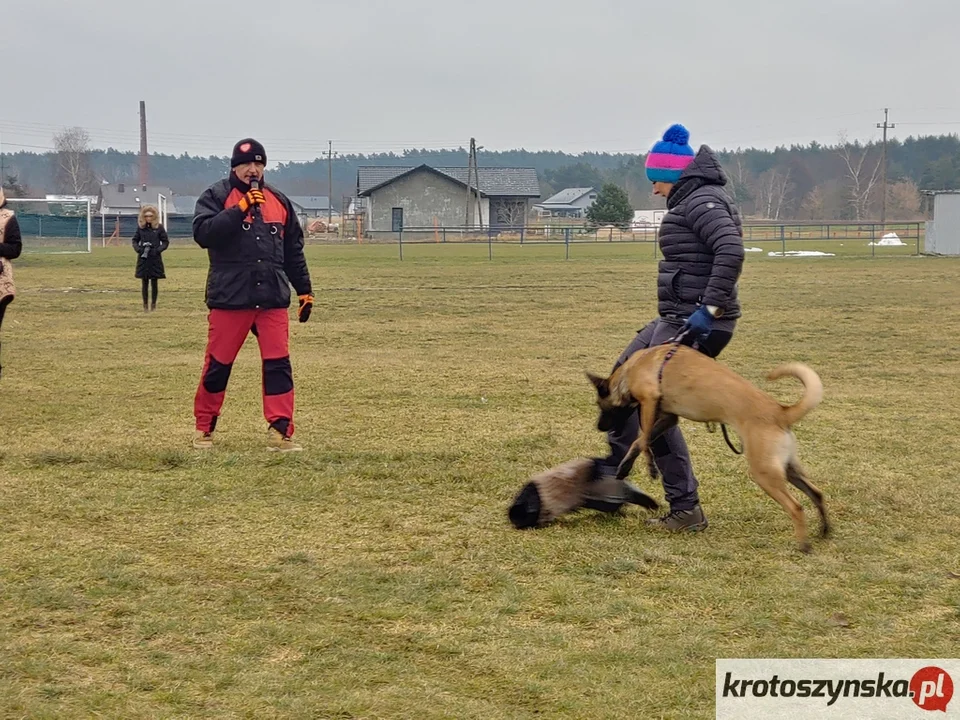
point(54, 226)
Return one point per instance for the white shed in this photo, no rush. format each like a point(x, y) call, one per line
point(943, 232)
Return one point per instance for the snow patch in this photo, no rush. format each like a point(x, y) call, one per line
point(800, 253)
point(890, 239)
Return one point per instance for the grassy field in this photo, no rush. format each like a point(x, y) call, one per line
point(375, 575)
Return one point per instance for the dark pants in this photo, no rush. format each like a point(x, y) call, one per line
point(154, 285)
point(3, 308)
point(670, 449)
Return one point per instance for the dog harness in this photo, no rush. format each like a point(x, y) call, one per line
point(676, 342)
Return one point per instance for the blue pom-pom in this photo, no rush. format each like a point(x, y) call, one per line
point(677, 134)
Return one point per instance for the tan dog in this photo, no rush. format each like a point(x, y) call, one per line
point(692, 385)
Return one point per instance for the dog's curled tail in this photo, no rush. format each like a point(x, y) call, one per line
point(812, 390)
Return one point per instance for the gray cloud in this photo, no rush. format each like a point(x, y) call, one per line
point(379, 74)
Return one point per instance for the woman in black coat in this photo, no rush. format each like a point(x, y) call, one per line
point(10, 246)
point(701, 238)
point(150, 240)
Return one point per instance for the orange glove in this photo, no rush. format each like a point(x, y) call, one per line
point(253, 197)
point(306, 307)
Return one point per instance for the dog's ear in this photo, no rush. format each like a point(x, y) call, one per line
point(600, 383)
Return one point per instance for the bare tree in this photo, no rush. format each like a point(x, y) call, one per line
point(740, 183)
point(813, 205)
point(12, 187)
point(772, 190)
point(510, 214)
point(862, 179)
point(904, 201)
point(73, 174)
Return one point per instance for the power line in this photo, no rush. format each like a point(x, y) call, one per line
point(930, 122)
point(46, 129)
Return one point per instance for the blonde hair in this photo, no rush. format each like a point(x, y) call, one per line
point(144, 211)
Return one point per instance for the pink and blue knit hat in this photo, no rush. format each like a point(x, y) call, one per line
point(668, 158)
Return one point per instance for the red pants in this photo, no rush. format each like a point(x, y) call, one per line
point(228, 330)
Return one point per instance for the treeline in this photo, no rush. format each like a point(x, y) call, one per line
point(798, 183)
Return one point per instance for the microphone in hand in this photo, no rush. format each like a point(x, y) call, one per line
point(258, 195)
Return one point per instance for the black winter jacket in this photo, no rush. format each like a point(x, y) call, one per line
point(149, 242)
point(12, 244)
point(253, 260)
point(701, 237)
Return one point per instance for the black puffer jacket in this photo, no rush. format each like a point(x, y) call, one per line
point(149, 242)
point(702, 243)
point(253, 259)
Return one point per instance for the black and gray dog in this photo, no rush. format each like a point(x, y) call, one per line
point(570, 486)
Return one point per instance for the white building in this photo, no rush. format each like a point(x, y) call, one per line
point(647, 219)
point(571, 202)
point(943, 232)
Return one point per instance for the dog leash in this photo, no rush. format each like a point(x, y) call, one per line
point(729, 443)
point(676, 341)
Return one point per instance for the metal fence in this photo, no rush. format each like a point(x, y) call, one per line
point(771, 238)
point(53, 232)
point(119, 229)
point(776, 238)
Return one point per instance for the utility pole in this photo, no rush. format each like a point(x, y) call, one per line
point(330, 184)
point(883, 200)
point(469, 220)
point(476, 178)
point(144, 170)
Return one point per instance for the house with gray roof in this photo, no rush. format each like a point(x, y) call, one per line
point(312, 206)
point(124, 199)
point(572, 202)
point(424, 197)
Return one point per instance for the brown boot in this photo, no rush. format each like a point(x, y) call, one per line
point(692, 520)
point(277, 442)
point(202, 440)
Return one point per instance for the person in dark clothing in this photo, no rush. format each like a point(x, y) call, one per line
point(11, 244)
point(701, 239)
point(150, 241)
point(255, 244)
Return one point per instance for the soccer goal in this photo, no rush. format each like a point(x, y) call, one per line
point(54, 226)
point(162, 208)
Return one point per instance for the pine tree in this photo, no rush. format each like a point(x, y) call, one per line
point(612, 207)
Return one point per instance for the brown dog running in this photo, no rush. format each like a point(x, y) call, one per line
point(691, 385)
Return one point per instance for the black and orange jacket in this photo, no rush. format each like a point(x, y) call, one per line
point(253, 259)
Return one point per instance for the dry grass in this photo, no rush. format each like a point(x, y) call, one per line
point(375, 575)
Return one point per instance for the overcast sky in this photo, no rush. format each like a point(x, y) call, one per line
point(377, 75)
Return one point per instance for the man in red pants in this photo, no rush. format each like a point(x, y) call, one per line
point(255, 244)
